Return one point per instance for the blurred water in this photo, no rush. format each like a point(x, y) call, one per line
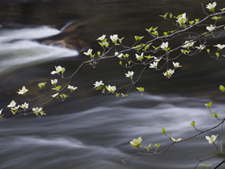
point(18, 46)
point(96, 137)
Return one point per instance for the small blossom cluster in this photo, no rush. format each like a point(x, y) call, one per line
point(99, 84)
point(14, 107)
point(182, 19)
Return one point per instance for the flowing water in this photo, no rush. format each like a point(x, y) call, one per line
point(91, 130)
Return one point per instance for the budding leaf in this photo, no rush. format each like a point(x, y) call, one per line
point(63, 70)
point(164, 130)
point(148, 147)
point(157, 145)
point(164, 16)
point(222, 88)
point(215, 114)
point(193, 123)
point(137, 38)
point(208, 104)
point(217, 54)
point(41, 85)
point(140, 89)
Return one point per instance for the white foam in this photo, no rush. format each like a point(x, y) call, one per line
point(8, 35)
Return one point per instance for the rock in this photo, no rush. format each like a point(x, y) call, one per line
point(71, 37)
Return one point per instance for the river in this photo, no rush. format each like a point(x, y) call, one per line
point(90, 130)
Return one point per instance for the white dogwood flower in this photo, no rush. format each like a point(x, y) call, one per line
point(72, 88)
point(24, 105)
point(211, 139)
point(37, 109)
point(139, 57)
point(182, 19)
point(129, 74)
point(219, 46)
point(54, 81)
point(1, 111)
point(111, 89)
point(54, 95)
point(211, 6)
point(89, 52)
point(23, 90)
point(102, 37)
point(114, 37)
point(120, 55)
point(12, 104)
point(168, 73)
point(157, 59)
point(58, 69)
point(188, 44)
point(210, 28)
point(200, 47)
point(98, 84)
point(164, 45)
point(176, 64)
point(136, 142)
point(153, 65)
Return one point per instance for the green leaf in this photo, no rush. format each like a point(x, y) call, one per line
point(137, 46)
point(212, 115)
point(157, 145)
point(64, 95)
point(147, 46)
point(126, 55)
point(205, 165)
point(191, 22)
point(124, 95)
point(148, 147)
point(42, 113)
point(208, 50)
point(149, 57)
point(41, 85)
point(171, 15)
point(14, 111)
point(164, 130)
point(215, 114)
point(57, 88)
point(216, 17)
point(140, 89)
point(155, 33)
point(154, 29)
point(222, 88)
point(165, 33)
point(222, 9)
point(121, 39)
point(137, 38)
point(193, 123)
point(164, 16)
point(63, 70)
point(217, 54)
point(208, 104)
point(196, 20)
point(149, 30)
point(98, 53)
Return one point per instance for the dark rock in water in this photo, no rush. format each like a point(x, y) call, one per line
point(75, 42)
point(72, 37)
